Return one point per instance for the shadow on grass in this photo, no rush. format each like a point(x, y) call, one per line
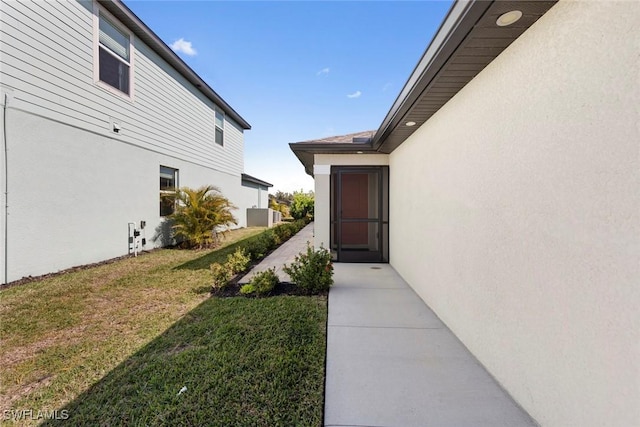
point(238, 361)
point(201, 290)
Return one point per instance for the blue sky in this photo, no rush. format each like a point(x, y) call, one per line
point(298, 70)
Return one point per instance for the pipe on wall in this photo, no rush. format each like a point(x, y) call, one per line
point(6, 189)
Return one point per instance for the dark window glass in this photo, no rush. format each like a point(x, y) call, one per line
point(168, 186)
point(219, 121)
point(113, 71)
point(167, 203)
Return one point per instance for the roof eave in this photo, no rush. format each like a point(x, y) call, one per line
point(459, 21)
point(451, 62)
point(468, 40)
point(306, 151)
point(248, 178)
point(142, 31)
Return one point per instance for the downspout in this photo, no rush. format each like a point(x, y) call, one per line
point(6, 189)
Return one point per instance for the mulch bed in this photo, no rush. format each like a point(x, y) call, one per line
point(282, 288)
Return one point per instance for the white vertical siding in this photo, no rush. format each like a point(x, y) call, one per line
point(74, 184)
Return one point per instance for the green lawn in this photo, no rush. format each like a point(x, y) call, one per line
point(114, 345)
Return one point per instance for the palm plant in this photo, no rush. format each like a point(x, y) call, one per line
point(200, 214)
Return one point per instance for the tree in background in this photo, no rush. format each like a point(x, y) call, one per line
point(283, 198)
point(199, 215)
point(302, 204)
point(279, 206)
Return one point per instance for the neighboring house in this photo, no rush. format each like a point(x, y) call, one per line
point(101, 120)
point(256, 192)
point(504, 186)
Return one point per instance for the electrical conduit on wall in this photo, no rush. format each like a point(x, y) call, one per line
point(6, 188)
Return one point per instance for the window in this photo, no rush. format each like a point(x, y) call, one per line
point(168, 187)
point(219, 127)
point(114, 60)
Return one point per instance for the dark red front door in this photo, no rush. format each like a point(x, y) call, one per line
point(355, 205)
point(358, 213)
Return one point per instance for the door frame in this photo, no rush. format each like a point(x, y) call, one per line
point(382, 220)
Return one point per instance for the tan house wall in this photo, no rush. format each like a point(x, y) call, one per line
point(515, 214)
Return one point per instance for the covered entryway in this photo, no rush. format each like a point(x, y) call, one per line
point(360, 213)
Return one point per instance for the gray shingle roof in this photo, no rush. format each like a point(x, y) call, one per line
point(358, 137)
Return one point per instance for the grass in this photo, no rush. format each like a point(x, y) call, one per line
point(114, 345)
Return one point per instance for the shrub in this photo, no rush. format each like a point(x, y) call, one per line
point(265, 281)
point(247, 289)
point(270, 238)
point(283, 232)
point(312, 271)
point(257, 247)
point(304, 220)
point(261, 283)
point(278, 207)
point(221, 275)
point(277, 240)
point(198, 215)
point(302, 204)
point(264, 243)
point(299, 224)
point(238, 261)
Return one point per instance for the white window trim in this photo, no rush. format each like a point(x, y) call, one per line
point(97, 11)
point(215, 125)
point(176, 174)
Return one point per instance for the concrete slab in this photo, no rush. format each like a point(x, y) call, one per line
point(372, 307)
point(285, 254)
point(376, 276)
point(392, 362)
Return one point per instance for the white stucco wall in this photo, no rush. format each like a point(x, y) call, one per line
point(253, 196)
point(322, 179)
point(515, 214)
point(72, 193)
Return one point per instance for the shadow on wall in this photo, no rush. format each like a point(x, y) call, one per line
point(163, 234)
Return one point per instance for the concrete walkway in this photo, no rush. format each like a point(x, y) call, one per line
point(392, 362)
point(285, 254)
